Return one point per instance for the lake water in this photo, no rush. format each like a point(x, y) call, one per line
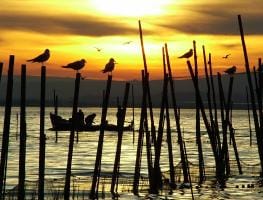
point(237, 186)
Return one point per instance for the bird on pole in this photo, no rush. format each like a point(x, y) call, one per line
point(41, 58)
point(109, 67)
point(187, 54)
point(231, 70)
point(77, 65)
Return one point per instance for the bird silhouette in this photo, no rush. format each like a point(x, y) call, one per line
point(128, 42)
point(231, 70)
point(41, 58)
point(109, 67)
point(98, 49)
point(226, 56)
point(77, 65)
point(83, 77)
point(187, 54)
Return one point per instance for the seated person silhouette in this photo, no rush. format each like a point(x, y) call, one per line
point(89, 119)
point(80, 118)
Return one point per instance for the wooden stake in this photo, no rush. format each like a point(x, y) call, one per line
point(71, 138)
point(22, 147)
point(115, 174)
point(249, 121)
point(6, 129)
point(97, 167)
point(42, 137)
point(176, 115)
point(252, 95)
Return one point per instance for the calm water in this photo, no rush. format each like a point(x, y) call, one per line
point(237, 187)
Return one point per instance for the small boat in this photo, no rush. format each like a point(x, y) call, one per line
point(61, 124)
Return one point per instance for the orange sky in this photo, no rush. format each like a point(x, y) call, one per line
point(72, 30)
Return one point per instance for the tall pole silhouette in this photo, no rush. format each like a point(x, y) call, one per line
point(22, 148)
point(6, 129)
point(71, 137)
point(42, 136)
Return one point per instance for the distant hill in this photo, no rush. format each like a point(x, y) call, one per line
point(91, 91)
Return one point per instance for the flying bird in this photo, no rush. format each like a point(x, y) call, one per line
point(98, 49)
point(41, 58)
point(109, 67)
point(187, 54)
point(128, 42)
point(226, 56)
point(231, 70)
point(77, 65)
point(83, 77)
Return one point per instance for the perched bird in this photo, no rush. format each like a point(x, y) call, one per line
point(226, 56)
point(187, 54)
point(231, 70)
point(41, 58)
point(98, 49)
point(109, 66)
point(77, 65)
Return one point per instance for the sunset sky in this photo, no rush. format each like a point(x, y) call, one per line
point(72, 30)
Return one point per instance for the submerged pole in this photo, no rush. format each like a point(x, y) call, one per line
point(153, 131)
point(122, 114)
point(137, 169)
point(42, 136)
point(71, 138)
point(97, 167)
point(176, 116)
point(252, 95)
point(249, 121)
point(6, 129)
point(22, 147)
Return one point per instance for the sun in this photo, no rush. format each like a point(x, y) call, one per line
point(132, 8)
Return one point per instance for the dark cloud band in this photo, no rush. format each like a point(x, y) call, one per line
point(77, 25)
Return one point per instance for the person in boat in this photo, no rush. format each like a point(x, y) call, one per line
point(80, 118)
point(119, 115)
point(90, 119)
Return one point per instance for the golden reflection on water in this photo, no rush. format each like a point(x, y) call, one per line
point(237, 187)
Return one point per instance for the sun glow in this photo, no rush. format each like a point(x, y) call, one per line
point(133, 8)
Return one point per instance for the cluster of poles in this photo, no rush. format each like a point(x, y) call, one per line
point(219, 133)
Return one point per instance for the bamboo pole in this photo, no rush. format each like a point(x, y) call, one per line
point(42, 137)
point(197, 115)
point(170, 146)
point(224, 151)
point(249, 120)
point(212, 138)
point(115, 174)
point(97, 167)
point(1, 70)
point(252, 95)
point(153, 131)
point(227, 107)
point(258, 86)
point(71, 138)
point(22, 147)
point(157, 172)
point(137, 169)
point(55, 103)
point(214, 100)
point(148, 141)
point(176, 116)
point(133, 131)
point(6, 129)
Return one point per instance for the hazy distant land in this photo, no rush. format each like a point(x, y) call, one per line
point(91, 91)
